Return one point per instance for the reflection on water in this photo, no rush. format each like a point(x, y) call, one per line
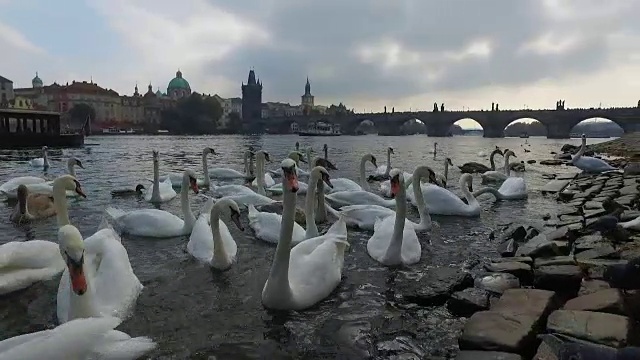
point(194, 312)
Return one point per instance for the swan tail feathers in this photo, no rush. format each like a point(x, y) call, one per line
point(114, 213)
point(339, 227)
point(128, 349)
point(252, 210)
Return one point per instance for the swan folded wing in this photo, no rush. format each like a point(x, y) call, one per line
point(73, 340)
point(200, 245)
point(344, 184)
point(267, 227)
point(118, 345)
point(513, 186)
point(364, 216)
point(379, 242)
point(230, 246)
point(316, 267)
point(150, 223)
point(12, 184)
point(24, 263)
point(442, 201)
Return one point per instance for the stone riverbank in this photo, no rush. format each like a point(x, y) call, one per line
point(569, 280)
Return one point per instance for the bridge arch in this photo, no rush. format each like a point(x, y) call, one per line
point(466, 126)
point(365, 126)
point(528, 126)
point(596, 127)
point(413, 126)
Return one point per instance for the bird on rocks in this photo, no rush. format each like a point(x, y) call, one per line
point(624, 276)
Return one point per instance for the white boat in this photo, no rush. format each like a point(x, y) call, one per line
point(321, 128)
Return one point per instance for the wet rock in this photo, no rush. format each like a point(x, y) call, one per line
point(628, 215)
point(531, 161)
point(561, 278)
point(570, 219)
point(537, 247)
point(588, 214)
point(511, 324)
point(555, 260)
point(630, 250)
point(626, 200)
point(523, 259)
point(601, 198)
point(468, 302)
point(401, 347)
point(508, 248)
point(588, 242)
point(497, 282)
point(588, 325)
point(521, 270)
point(593, 205)
point(486, 355)
point(590, 286)
point(559, 233)
point(602, 252)
point(551, 162)
point(607, 301)
point(545, 352)
point(629, 190)
point(515, 231)
point(624, 276)
point(567, 195)
point(435, 286)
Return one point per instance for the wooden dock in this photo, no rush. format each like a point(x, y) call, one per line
point(21, 129)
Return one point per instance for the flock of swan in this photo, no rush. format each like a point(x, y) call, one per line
point(307, 265)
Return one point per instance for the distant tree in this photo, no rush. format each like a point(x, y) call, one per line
point(194, 114)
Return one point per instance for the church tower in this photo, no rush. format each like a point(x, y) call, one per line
point(307, 99)
point(251, 101)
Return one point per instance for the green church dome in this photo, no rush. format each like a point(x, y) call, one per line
point(178, 83)
point(36, 81)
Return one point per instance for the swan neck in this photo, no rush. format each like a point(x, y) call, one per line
point(260, 176)
point(22, 204)
point(155, 193)
point(309, 162)
point(583, 148)
point(279, 274)
point(363, 180)
point(310, 205)
point(189, 218)
point(489, 190)
point(425, 218)
point(45, 158)
point(219, 253)
point(395, 246)
point(82, 306)
point(321, 210)
point(205, 169)
point(72, 169)
point(60, 204)
point(388, 163)
point(464, 187)
point(492, 161)
point(245, 161)
point(446, 169)
point(507, 168)
point(326, 154)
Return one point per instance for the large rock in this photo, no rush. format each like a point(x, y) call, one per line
point(435, 286)
point(468, 302)
point(497, 282)
point(561, 278)
point(605, 251)
point(588, 242)
point(555, 260)
point(512, 323)
point(486, 355)
point(590, 286)
point(607, 301)
point(607, 329)
point(538, 246)
point(519, 269)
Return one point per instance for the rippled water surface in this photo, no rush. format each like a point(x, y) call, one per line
point(193, 312)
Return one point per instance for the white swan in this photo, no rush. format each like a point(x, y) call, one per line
point(513, 188)
point(631, 224)
point(159, 192)
point(494, 176)
point(235, 189)
point(23, 263)
point(589, 164)
point(176, 177)
point(441, 201)
point(385, 186)
point(365, 216)
point(36, 185)
point(303, 275)
point(383, 170)
point(394, 240)
point(98, 280)
point(276, 189)
point(442, 179)
point(260, 173)
point(42, 162)
point(92, 338)
point(344, 184)
point(358, 197)
point(228, 174)
point(267, 225)
point(296, 156)
point(210, 241)
point(156, 223)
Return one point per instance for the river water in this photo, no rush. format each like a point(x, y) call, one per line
point(193, 312)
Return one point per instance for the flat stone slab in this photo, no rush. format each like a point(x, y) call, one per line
point(511, 324)
point(497, 282)
point(555, 186)
point(562, 278)
point(606, 329)
point(516, 268)
point(555, 260)
point(605, 251)
point(435, 286)
point(468, 302)
point(607, 301)
point(591, 286)
point(486, 355)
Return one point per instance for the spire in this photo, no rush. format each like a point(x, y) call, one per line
point(307, 87)
point(252, 78)
point(178, 73)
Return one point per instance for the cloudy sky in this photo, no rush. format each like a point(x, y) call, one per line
point(405, 54)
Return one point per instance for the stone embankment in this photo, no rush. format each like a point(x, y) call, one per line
point(569, 286)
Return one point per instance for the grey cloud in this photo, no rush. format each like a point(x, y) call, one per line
point(308, 35)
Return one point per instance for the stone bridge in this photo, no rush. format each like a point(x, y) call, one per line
point(558, 122)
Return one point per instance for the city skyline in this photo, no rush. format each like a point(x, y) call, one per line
point(518, 54)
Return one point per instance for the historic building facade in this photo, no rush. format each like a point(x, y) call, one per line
point(6, 91)
point(178, 87)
